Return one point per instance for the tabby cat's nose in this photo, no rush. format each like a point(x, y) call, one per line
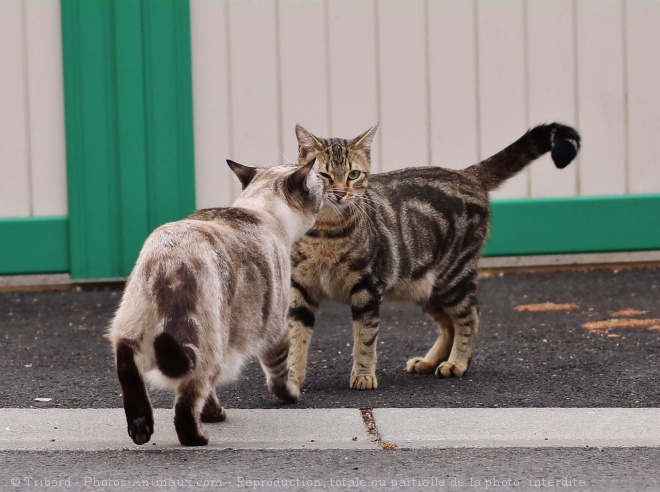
point(339, 194)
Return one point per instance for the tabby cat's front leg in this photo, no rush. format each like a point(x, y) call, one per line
point(300, 320)
point(366, 298)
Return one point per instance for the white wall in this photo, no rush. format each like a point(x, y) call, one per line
point(32, 155)
point(451, 82)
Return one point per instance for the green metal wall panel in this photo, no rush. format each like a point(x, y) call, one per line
point(128, 108)
point(519, 227)
point(34, 245)
point(574, 225)
point(169, 109)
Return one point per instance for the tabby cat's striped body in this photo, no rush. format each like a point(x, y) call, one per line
point(415, 235)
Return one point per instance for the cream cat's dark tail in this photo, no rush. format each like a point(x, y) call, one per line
point(563, 143)
point(176, 294)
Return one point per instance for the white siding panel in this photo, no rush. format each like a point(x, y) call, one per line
point(601, 109)
point(304, 72)
point(403, 84)
point(502, 98)
point(453, 84)
point(216, 185)
point(15, 191)
point(254, 83)
point(353, 72)
point(46, 107)
point(551, 86)
point(643, 42)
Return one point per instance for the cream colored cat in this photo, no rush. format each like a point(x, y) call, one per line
point(209, 291)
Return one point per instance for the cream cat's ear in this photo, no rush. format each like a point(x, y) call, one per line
point(297, 181)
point(307, 143)
point(245, 173)
point(364, 141)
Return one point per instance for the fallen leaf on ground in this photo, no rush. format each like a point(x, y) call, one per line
point(546, 306)
point(621, 323)
point(628, 312)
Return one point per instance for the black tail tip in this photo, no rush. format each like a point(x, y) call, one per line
point(565, 142)
point(172, 359)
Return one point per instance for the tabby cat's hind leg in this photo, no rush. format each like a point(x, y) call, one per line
point(275, 363)
point(190, 399)
point(137, 407)
point(440, 350)
point(466, 319)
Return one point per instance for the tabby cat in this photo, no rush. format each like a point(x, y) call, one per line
point(414, 234)
point(209, 291)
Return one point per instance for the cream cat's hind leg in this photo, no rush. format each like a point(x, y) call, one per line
point(275, 363)
point(137, 406)
point(191, 397)
point(440, 350)
point(212, 410)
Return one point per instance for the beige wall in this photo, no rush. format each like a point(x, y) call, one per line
point(450, 82)
point(32, 155)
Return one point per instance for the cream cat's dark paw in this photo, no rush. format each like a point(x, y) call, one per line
point(213, 414)
point(140, 429)
point(287, 391)
point(200, 438)
point(363, 381)
point(296, 377)
point(419, 365)
point(450, 369)
point(296, 381)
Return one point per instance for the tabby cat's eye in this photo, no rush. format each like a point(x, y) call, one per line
point(324, 175)
point(354, 174)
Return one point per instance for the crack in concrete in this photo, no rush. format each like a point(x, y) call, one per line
point(372, 429)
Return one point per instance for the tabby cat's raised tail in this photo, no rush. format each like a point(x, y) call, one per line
point(562, 141)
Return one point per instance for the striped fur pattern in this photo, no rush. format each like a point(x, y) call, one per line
point(209, 291)
point(412, 235)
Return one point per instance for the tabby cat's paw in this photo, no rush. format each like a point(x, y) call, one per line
point(364, 381)
point(418, 365)
point(451, 369)
point(140, 429)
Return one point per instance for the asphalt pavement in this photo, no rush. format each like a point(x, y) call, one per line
point(564, 385)
point(577, 338)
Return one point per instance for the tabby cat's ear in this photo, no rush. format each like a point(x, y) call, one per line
point(297, 181)
point(364, 141)
point(245, 173)
point(307, 143)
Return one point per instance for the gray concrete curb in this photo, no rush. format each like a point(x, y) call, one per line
point(105, 429)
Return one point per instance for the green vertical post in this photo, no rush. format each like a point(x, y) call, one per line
point(169, 116)
point(129, 131)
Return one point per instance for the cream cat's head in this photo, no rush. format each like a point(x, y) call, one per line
point(344, 165)
point(294, 194)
